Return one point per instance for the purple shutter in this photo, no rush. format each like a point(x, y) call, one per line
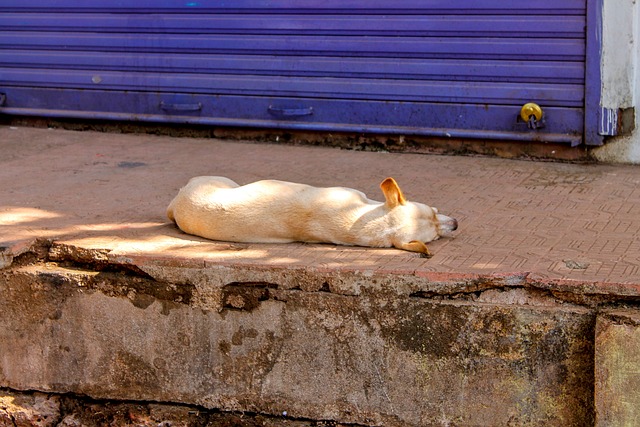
point(431, 67)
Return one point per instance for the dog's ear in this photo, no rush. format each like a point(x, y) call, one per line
point(416, 246)
point(392, 193)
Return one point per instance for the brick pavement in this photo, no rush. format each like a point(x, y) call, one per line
point(565, 223)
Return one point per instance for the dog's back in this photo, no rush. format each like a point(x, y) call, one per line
point(264, 211)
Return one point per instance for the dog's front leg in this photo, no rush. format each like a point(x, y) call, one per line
point(416, 246)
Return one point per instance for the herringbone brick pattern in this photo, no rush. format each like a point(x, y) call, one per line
point(554, 221)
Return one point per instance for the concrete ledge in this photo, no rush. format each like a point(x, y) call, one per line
point(379, 356)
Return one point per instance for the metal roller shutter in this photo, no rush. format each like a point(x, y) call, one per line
point(431, 67)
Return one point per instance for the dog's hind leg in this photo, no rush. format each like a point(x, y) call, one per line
point(209, 183)
point(218, 181)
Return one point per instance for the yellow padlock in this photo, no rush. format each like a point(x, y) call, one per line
point(531, 109)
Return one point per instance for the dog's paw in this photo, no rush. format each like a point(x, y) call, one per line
point(417, 246)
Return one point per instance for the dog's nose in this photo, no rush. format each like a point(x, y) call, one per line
point(447, 224)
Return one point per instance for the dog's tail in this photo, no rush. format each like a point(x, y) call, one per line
point(170, 211)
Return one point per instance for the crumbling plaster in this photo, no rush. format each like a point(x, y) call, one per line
point(620, 75)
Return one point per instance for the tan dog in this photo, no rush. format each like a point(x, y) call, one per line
point(278, 212)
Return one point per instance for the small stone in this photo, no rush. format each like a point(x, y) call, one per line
point(576, 265)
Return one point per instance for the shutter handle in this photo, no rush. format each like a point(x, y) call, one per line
point(290, 112)
point(180, 107)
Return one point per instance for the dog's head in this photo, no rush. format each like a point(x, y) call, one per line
point(415, 224)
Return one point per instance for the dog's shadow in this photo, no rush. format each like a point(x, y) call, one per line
point(304, 252)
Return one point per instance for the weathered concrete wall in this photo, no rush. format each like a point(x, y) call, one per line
point(618, 368)
point(620, 75)
point(620, 52)
point(365, 353)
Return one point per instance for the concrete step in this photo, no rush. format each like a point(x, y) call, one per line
point(526, 317)
point(357, 349)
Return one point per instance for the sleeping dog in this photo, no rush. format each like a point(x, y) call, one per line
point(278, 212)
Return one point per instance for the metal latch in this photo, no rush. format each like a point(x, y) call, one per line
point(290, 112)
point(181, 107)
point(532, 115)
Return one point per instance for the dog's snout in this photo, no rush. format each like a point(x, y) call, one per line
point(447, 224)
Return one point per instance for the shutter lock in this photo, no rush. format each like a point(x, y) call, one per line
point(532, 115)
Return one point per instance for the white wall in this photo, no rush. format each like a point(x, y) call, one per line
point(621, 75)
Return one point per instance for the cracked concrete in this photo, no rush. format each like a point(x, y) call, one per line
point(27, 409)
point(376, 357)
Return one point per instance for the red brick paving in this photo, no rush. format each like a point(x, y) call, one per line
point(566, 223)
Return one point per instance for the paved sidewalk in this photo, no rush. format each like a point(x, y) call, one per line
point(566, 223)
